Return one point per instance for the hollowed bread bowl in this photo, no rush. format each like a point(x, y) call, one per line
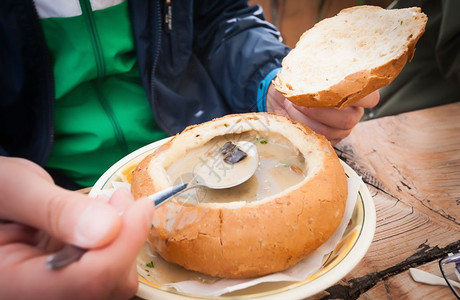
point(241, 239)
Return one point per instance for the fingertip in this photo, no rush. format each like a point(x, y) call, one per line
point(121, 199)
point(138, 221)
point(148, 208)
point(125, 193)
point(97, 226)
point(369, 101)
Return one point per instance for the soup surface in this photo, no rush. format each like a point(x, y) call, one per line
point(281, 166)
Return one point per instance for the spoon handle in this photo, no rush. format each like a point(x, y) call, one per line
point(65, 256)
point(160, 197)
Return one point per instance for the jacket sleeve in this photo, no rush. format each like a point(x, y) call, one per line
point(238, 48)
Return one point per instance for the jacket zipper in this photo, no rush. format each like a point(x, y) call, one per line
point(88, 14)
point(156, 30)
point(168, 16)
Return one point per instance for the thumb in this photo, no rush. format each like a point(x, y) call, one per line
point(28, 198)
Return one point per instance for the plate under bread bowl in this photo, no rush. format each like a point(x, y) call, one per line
point(347, 254)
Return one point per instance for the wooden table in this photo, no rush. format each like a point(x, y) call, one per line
point(411, 164)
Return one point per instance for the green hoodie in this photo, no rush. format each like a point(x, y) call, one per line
point(101, 109)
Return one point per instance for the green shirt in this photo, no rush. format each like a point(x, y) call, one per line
point(101, 109)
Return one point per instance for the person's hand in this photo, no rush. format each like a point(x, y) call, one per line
point(333, 123)
point(33, 209)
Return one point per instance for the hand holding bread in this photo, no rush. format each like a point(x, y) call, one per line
point(341, 63)
point(335, 124)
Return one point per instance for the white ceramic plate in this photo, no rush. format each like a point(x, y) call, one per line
point(347, 254)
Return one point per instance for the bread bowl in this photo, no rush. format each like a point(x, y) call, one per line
point(343, 58)
point(247, 237)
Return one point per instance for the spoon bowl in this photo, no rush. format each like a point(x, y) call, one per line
point(222, 175)
point(218, 175)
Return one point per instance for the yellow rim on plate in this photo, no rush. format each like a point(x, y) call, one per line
point(347, 254)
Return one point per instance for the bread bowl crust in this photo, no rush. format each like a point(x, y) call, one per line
point(359, 84)
point(249, 239)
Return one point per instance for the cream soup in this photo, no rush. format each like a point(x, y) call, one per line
point(281, 166)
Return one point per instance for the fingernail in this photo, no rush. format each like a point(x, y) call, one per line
point(96, 225)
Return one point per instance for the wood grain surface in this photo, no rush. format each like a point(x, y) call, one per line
point(411, 164)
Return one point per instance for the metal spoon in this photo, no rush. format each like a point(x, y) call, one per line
point(218, 175)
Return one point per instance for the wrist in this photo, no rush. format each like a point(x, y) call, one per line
point(262, 89)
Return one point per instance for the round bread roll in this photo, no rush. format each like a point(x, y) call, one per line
point(241, 238)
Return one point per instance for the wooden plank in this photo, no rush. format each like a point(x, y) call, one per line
point(411, 164)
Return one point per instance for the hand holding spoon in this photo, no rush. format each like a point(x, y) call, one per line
point(242, 160)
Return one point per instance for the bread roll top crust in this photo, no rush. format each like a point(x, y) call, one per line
point(346, 57)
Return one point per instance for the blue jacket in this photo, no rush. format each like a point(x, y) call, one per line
point(205, 62)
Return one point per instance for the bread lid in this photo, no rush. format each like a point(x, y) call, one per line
point(243, 239)
point(342, 59)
